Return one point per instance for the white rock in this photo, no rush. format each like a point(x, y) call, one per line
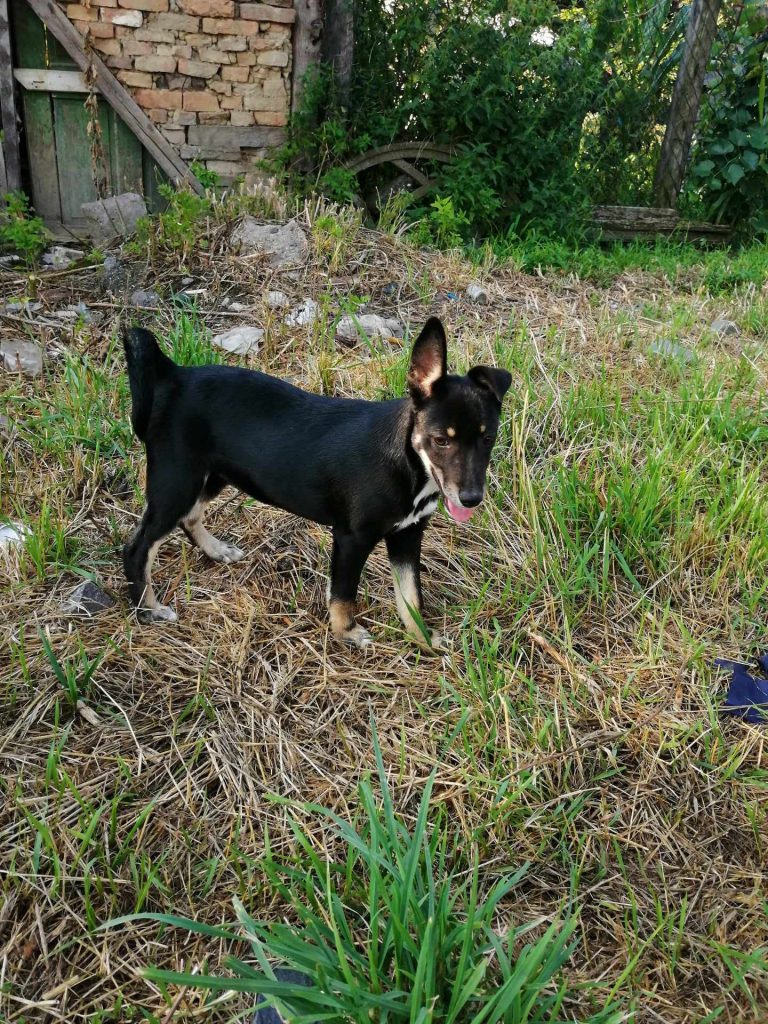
point(240, 341)
point(277, 300)
point(285, 244)
point(60, 257)
point(373, 326)
point(724, 328)
point(12, 535)
point(672, 350)
point(22, 356)
point(476, 293)
point(306, 313)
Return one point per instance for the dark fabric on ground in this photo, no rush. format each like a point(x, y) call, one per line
point(747, 695)
point(268, 1014)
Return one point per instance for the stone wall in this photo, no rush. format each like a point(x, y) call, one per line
point(214, 75)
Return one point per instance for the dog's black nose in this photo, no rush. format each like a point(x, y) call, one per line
point(469, 499)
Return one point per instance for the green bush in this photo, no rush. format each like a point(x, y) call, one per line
point(550, 106)
point(730, 162)
point(20, 231)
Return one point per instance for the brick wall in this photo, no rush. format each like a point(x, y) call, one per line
point(214, 75)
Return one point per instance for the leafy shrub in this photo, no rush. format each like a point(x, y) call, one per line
point(550, 106)
point(179, 229)
point(730, 165)
point(20, 231)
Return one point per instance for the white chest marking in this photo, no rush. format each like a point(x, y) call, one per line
point(424, 504)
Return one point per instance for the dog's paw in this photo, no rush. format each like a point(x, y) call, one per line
point(440, 643)
point(358, 637)
point(220, 551)
point(231, 553)
point(160, 613)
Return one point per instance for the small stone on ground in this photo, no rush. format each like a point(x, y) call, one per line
point(349, 328)
point(115, 217)
point(285, 244)
point(240, 341)
point(87, 598)
point(306, 313)
point(725, 328)
point(21, 357)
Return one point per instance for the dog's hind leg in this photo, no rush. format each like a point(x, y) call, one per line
point(192, 524)
point(169, 499)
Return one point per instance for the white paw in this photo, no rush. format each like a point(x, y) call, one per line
point(160, 613)
point(359, 638)
point(440, 643)
point(229, 553)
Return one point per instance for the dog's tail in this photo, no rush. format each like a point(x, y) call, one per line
point(147, 365)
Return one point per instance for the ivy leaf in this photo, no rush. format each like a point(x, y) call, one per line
point(715, 184)
point(721, 146)
point(734, 173)
point(750, 159)
point(758, 138)
point(737, 136)
point(703, 168)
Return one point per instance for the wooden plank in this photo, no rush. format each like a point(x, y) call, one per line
point(118, 97)
point(49, 80)
point(125, 154)
point(338, 45)
point(636, 218)
point(3, 178)
point(41, 153)
point(73, 154)
point(10, 146)
point(307, 36)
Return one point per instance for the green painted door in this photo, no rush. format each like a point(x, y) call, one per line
point(64, 168)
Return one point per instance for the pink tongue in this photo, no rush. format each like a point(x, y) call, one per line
point(461, 515)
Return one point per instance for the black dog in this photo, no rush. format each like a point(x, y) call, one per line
point(369, 470)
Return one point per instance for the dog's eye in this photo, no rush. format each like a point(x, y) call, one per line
point(441, 442)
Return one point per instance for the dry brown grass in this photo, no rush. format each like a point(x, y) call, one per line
point(578, 735)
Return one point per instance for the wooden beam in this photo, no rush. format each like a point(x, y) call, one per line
point(338, 45)
point(686, 98)
point(3, 178)
point(113, 92)
point(307, 36)
point(11, 150)
point(49, 80)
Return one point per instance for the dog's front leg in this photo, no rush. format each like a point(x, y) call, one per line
point(404, 549)
point(350, 553)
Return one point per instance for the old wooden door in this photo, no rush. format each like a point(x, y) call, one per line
point(64, 168)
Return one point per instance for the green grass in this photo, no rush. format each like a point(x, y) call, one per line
point(430, 948)
point(573, 728)
point(718, 270)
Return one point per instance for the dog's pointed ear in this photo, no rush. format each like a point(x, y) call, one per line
point(429, 360)
point(498, 382)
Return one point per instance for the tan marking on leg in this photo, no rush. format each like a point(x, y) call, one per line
point(214, 548)
point(149, 603)
point(343, 624)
